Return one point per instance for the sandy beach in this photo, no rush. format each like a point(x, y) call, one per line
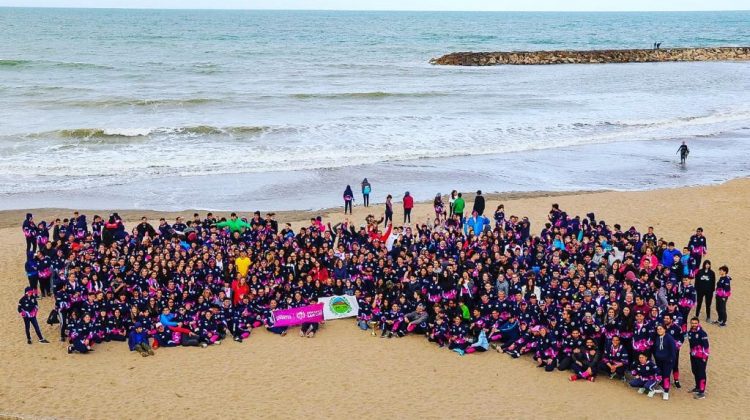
point(346, 372)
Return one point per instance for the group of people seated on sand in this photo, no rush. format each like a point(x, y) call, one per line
point(580, 296)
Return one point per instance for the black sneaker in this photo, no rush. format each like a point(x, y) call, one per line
point(694, 390)
point(44, 340)
point(700, 396)
point(723, 324)
point(677, 384)
point(70, 349)
point(28, 341)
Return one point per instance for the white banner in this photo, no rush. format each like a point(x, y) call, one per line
point(335, 307)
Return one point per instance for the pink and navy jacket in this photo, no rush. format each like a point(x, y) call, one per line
point(676, 332)
point(647, 371)
point(724, 287)
point(546, 347)
point(614, 354)
point(698, 340)
point(643, 336)
point(687, 296)
point(28, 306)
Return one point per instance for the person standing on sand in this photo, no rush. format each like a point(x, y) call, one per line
point(684, 152)
point(366, 190)
point(451, 200)
point(479, 203)
point(698, 246)
point(408, 205)
point(388, 209)
point(29, 231)
point(458, 207)
point(699, 352)
point(437, 204)
point(28, 308)
point(665, 351)
point(32, 271)
point(348, 199)
point(723, 292)
point(705, 285)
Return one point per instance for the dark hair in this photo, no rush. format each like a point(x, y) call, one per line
point(706, 262)
point(724, 268)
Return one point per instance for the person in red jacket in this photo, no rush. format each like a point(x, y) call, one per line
point(319, 272)
point(408, 205)
point(240, 288)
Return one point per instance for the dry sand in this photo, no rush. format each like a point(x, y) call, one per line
point(346, 372)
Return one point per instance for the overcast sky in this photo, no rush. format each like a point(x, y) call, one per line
point(510, 5)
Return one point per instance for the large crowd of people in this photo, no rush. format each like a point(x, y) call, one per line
point(580, 296)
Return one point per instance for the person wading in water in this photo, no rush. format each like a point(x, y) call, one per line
point(684, 152)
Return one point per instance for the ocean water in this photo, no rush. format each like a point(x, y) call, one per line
point(280, 109)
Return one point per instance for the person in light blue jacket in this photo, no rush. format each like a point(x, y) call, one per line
point(476, 223)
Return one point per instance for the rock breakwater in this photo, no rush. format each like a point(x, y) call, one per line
point(593, 56)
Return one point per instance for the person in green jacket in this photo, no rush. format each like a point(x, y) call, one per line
point(234, 224)
point(458, 207)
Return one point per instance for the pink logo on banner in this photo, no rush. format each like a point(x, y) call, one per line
point(296, 316)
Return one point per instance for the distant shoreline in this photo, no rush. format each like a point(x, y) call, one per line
point(177, 9)
point(13, 218)
point(10, 218)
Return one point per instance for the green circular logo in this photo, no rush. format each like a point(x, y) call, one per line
point(339, 305)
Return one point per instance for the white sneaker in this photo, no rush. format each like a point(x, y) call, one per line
point(641, 390)
point(665, 397)
point(651, 393)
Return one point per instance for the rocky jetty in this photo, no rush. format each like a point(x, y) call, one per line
point(593, 56)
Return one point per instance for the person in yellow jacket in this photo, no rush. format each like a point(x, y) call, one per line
point(242, 263)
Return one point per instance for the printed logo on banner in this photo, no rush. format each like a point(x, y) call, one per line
point(339, 305)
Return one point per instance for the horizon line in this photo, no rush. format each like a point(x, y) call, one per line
point(376, 10)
